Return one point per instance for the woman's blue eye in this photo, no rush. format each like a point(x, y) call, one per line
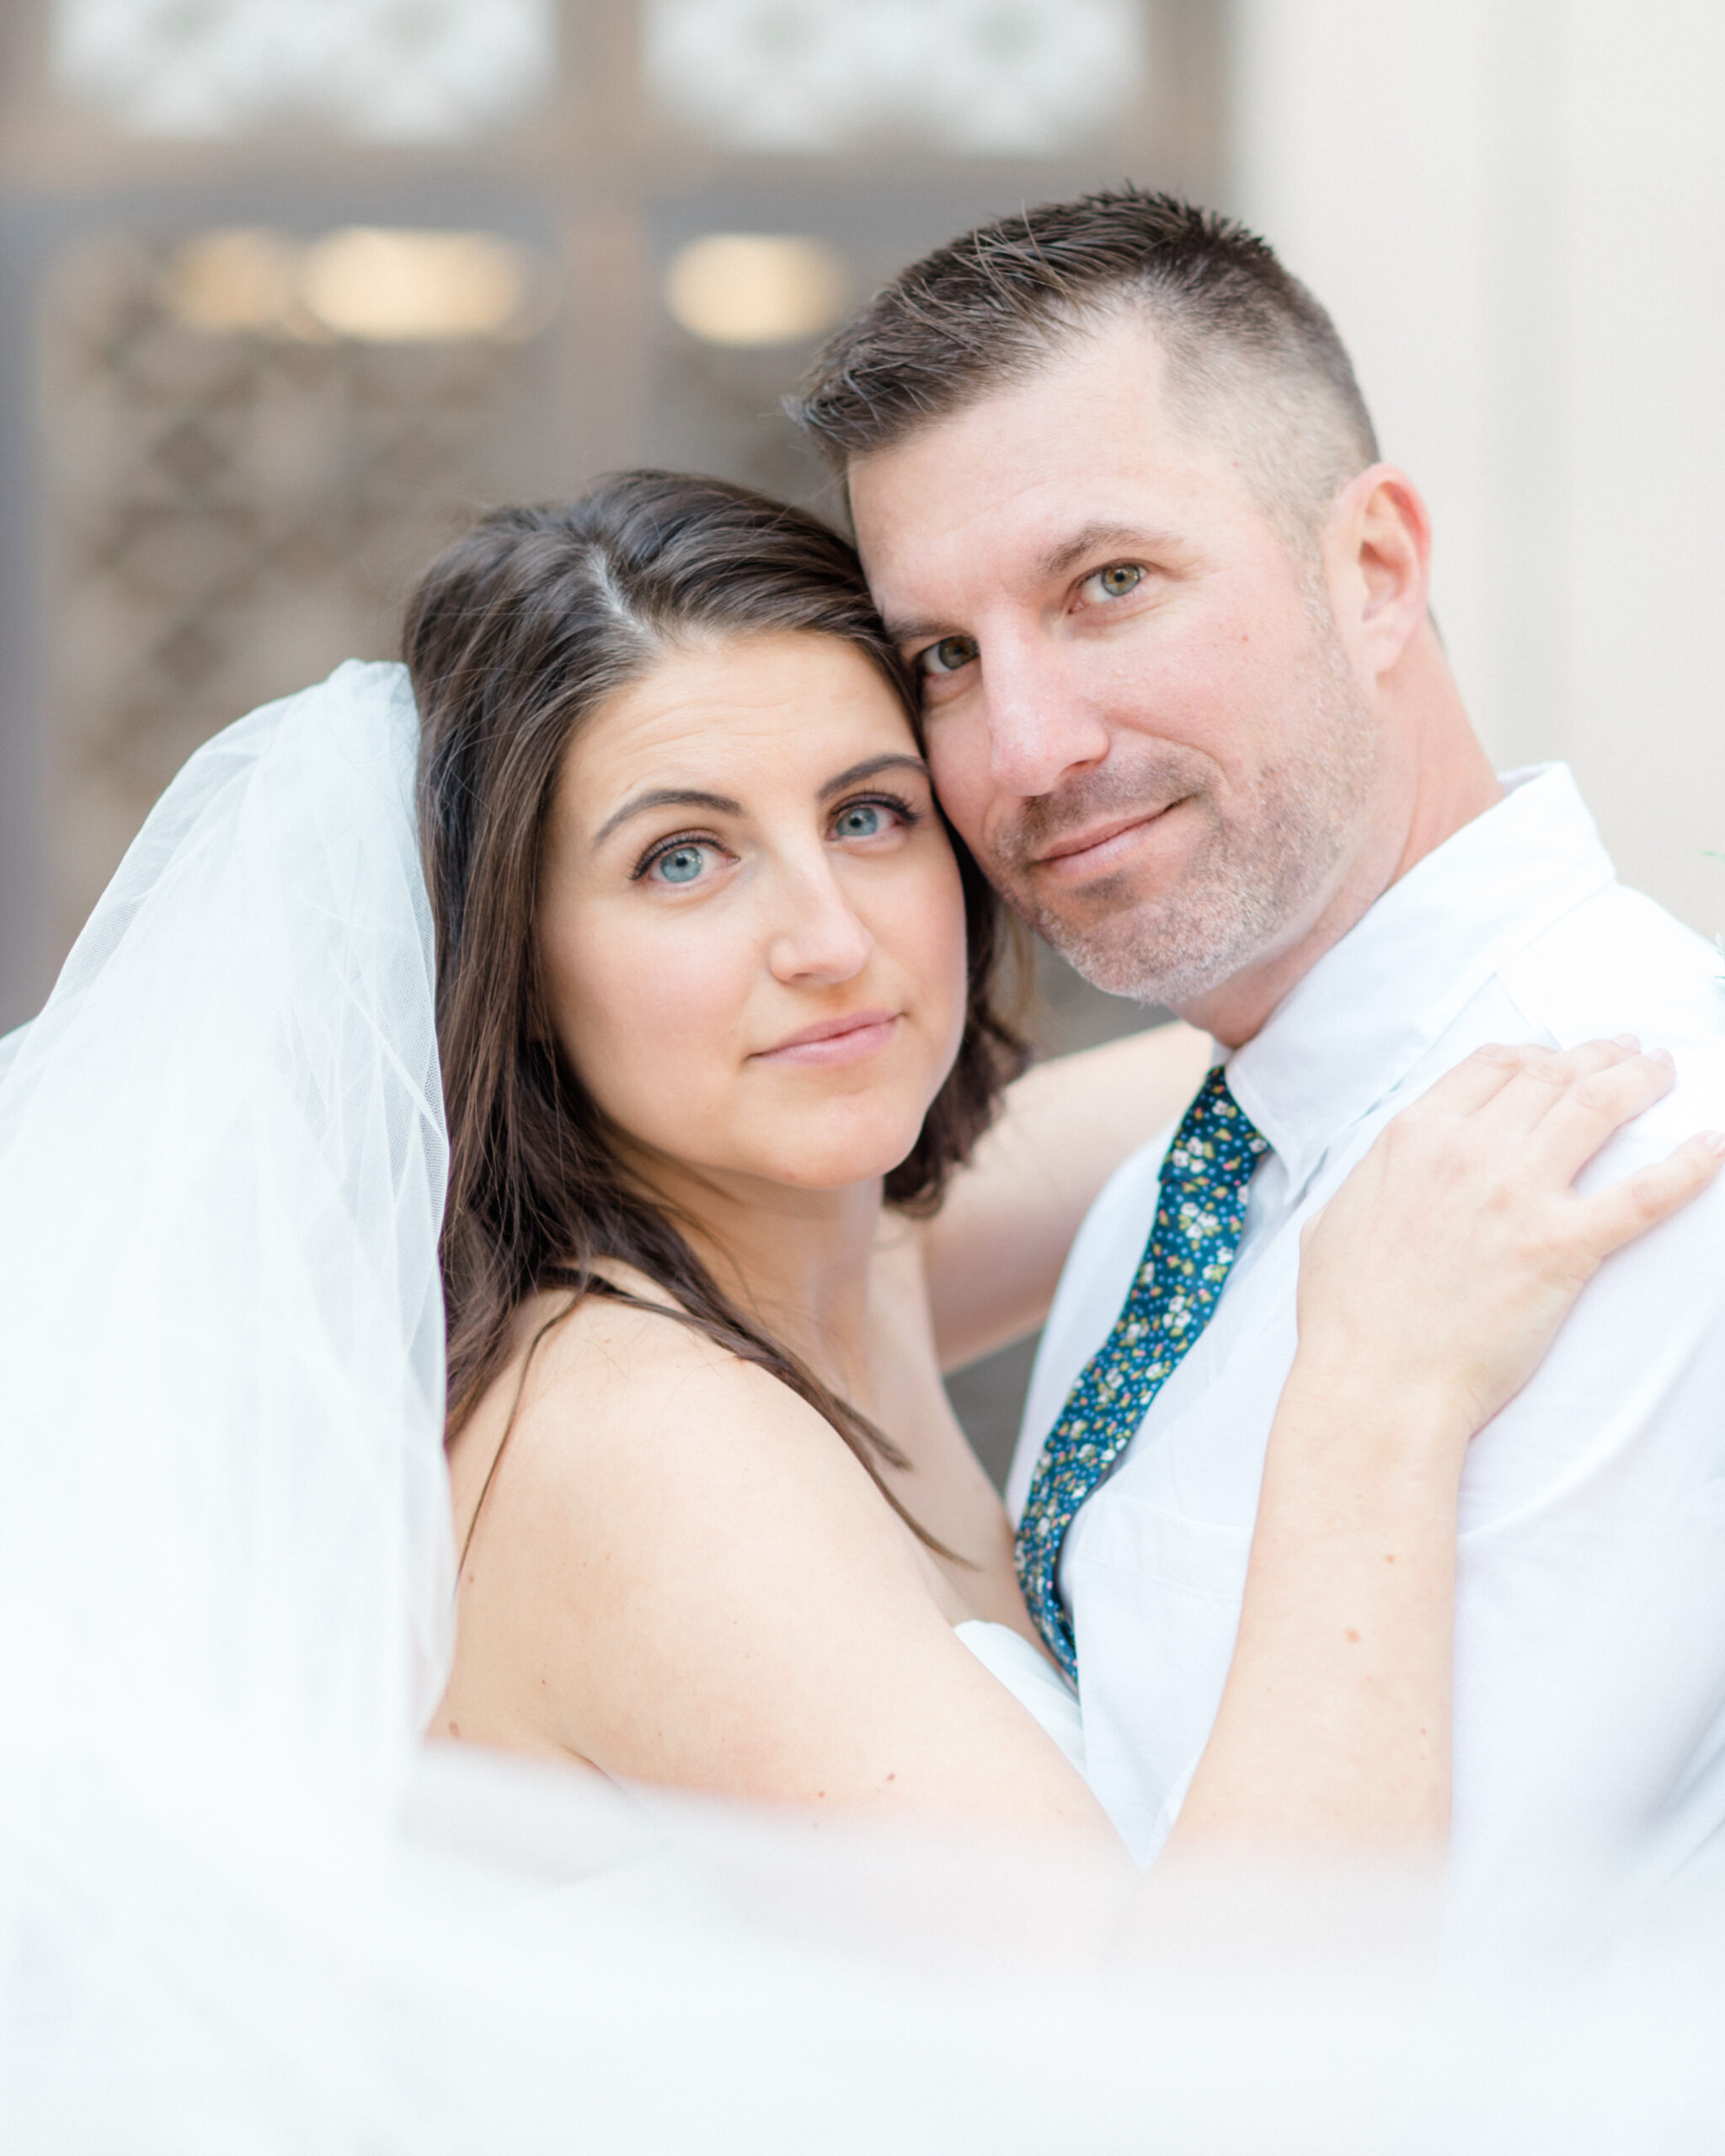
point(681, 865)
point(861, 820)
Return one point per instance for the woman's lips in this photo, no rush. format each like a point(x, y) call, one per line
point(836, 1040)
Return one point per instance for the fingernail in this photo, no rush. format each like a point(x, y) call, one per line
point(1660, 1055)
point(1714, 1141)
point(1630, 1041)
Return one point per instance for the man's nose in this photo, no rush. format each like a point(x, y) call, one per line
point(1040, 726)
point(819, 937)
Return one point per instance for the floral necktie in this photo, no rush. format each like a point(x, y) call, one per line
point(1200, 1209)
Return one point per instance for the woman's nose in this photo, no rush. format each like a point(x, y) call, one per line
point(820, 936)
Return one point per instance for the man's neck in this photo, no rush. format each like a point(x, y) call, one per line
point(1446, 781)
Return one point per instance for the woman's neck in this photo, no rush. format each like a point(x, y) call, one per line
point(797, 1261)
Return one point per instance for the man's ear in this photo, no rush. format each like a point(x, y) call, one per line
point(1380, 554)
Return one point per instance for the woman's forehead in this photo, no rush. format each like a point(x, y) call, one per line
point(781, 706)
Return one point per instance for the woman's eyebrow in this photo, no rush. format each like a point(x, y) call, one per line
point(898, 761)
point(667, 797)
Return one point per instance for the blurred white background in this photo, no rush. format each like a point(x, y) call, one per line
point(293, 288)
point(1515, 210)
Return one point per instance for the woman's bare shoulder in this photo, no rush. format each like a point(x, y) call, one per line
point(659, 1499)
point(690, 1579)
point(625, 1406)
point(602, 1344)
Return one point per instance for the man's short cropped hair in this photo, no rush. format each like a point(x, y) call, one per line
point(1251, 357)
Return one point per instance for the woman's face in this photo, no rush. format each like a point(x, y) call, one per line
point(750, 922)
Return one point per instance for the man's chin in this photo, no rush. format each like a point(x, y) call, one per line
point(1142, 955)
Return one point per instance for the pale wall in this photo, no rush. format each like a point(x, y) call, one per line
point(1516, 213)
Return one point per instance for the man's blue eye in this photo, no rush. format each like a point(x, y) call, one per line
point(860, 821)
point(681, 865)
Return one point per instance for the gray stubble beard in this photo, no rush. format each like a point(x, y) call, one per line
point(1247, 884)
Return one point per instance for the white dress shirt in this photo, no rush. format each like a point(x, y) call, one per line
point(1590, 1625)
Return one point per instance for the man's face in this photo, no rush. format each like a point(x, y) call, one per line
point(1140, 712)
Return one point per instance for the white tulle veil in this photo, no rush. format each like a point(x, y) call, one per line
point(242, 1908)
point(221, 1162)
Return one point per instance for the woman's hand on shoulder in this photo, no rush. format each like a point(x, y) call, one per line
point(1443, 1267)
point(1430, 1286)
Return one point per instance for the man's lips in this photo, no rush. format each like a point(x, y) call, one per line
point(848, 1039)
point(1081, 853)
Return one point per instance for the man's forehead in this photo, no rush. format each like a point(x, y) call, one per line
point(1088, 445)
point(925, 549)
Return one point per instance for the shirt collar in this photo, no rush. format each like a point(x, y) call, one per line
point(1372, 1005)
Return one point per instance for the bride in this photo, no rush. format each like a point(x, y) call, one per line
point(740, 1160)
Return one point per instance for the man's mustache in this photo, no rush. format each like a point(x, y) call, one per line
point(1149, 785)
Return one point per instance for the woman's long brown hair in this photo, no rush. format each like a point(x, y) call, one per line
point(517, 634)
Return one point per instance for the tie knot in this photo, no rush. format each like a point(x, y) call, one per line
point(1216, 1144)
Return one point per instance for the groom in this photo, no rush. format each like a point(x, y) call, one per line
point(1120, 501)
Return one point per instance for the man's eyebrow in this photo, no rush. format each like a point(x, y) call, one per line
point(917, 630)
point(1088, 539)
point(899, 760)
point(668, 796)
point(1091, 538)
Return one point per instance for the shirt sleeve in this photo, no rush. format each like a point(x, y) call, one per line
point(1590, 1630)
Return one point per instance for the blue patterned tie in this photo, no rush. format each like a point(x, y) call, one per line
point(1200, 1209)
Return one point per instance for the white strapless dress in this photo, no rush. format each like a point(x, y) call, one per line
point(1033, 1681)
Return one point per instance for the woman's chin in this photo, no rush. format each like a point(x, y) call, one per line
point(837, 1162)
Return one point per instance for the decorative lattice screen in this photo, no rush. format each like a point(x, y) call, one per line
point(232, 513)
point(382, 71)
point(973, 78)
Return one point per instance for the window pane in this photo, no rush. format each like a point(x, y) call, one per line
point(377, 70)
point(972, 77)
